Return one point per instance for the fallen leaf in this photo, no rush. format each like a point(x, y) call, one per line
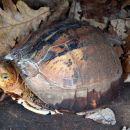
point(98, 9)
point(100, 115)
point(17, 21)
point(59, 11)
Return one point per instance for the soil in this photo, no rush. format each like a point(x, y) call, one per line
point(15, 117)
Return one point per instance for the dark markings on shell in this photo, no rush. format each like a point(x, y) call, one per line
point(85, 57)
point(68, 63)
point(53, 34)
point(50, 55)
point(74, 44)
point(50, 37)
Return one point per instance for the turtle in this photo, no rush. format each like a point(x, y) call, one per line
point(69, 66)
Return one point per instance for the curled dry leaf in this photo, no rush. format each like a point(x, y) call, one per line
point(17, 21)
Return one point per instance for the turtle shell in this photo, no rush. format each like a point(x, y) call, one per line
point(69, 66)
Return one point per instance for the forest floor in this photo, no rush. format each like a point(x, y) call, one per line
point(15, 117)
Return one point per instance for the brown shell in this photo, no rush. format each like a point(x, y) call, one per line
point(73, 68)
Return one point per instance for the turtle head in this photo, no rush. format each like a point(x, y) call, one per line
point(9, 79)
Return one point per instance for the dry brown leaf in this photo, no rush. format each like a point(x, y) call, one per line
point(17, 21)
point(98, 9)
point(59, 10)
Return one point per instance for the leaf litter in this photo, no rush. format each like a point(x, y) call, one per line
point(18, 20)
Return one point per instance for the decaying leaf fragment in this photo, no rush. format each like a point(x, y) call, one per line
point(17, 21)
